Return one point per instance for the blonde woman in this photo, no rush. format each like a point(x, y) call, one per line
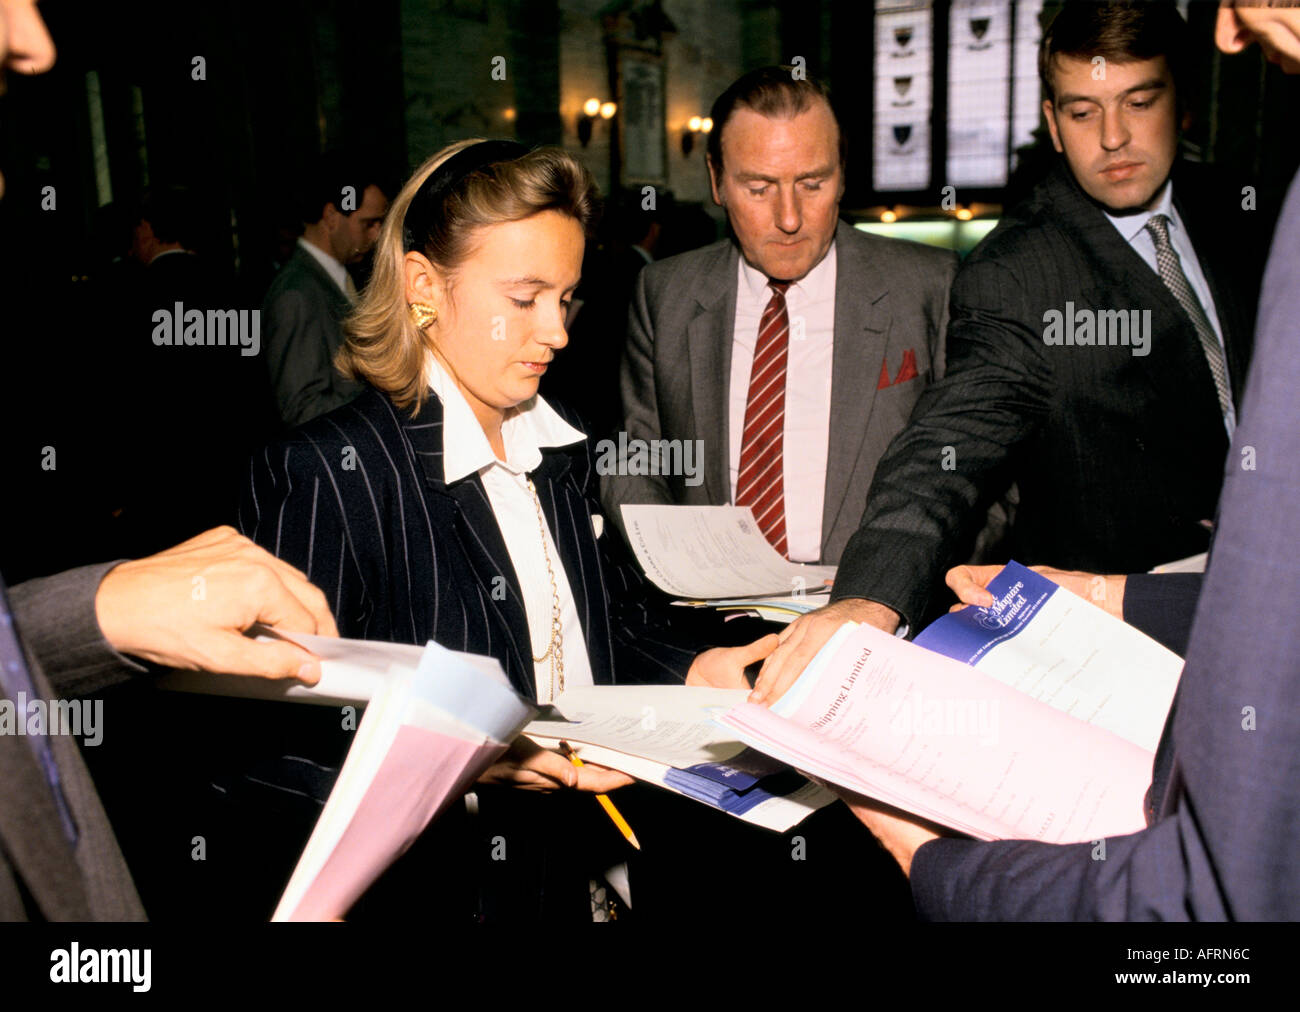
point(451, 502)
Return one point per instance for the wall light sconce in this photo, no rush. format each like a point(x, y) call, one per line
point(593, 109)
point(888, 216)
point(964, 213)
point(694, 125)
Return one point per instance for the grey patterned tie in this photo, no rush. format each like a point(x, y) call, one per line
point(1171, 273)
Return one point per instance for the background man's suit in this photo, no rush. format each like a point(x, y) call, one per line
point(301, 332)
point(890, 299)
point(1224, 843)
point(1118, 458)
point(42, 875)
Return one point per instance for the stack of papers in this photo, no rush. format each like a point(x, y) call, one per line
point(668, 735)
point(1039, 723)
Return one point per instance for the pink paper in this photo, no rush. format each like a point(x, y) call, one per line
point(423, 772)
point(938, 738)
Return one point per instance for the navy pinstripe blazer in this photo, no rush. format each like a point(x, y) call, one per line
point(356, 500)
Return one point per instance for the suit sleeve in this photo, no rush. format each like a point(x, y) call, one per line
point(1163, 872)
point(939, 337)
point(1163, 605)
point(933, 487)
point(303, 377)
point(640, 411)
point(55, 616)
point(291, 506)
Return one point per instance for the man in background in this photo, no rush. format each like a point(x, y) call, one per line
point(791, 355)
point(343, 207)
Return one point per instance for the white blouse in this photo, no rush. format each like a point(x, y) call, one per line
point(465, 450)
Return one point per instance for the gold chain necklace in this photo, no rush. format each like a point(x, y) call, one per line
point(554, 649)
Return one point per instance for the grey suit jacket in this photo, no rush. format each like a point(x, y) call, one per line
point(41, 875)
point(891, 297)
point(302, 316)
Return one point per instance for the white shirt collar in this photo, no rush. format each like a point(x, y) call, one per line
point(818, 283)
point(1131, 226)
point(332, 267)
point(465, 448)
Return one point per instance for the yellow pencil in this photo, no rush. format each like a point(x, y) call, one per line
point(605, 803)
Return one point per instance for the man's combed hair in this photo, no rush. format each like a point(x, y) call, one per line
point(383, 347)
point(1121, 31)
point(327, 180)
point(769, 91)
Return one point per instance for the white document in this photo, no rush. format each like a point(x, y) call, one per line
point(1058, 648)
point(647, 731)
point(352, 671)
point(714, 552)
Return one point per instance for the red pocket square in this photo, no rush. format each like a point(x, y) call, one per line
point(909, 368)
point(884, 375)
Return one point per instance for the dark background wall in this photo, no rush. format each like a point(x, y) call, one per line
point(125, 108)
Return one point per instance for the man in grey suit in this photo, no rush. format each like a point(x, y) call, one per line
point(307, 301)
point(787, 360)
point(1221, 841)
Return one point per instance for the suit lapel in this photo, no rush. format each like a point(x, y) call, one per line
point(709, 337)
point(463, 507)
point(31, 834)
point(861, 330)
point(566, 515)
point(1237, 338)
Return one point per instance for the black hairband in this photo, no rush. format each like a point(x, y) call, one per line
point(427, 201)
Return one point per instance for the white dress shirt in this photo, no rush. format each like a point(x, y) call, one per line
point(1133, 228)
point(465, 450)
point(332, 267)
point(810, 303)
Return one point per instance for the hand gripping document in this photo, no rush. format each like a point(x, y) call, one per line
point(434, 721)
point(1035, 718)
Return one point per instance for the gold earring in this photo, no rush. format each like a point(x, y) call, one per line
point(423, 315)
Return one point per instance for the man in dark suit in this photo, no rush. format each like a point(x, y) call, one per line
point(790, 356)
point(1098, 344)
point(1222, 843)
point(342, 210)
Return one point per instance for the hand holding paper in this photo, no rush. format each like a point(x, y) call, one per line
point(529, 766)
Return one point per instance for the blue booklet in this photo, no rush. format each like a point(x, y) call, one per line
point(737, 785)
point(967, 635)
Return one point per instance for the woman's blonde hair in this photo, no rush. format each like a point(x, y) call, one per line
point(383, 347)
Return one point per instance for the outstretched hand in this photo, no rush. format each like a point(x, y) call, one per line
point(189, 606)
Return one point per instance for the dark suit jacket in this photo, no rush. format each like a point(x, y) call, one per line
point(1118, 458)
point(301, 319)
point(1224, 843)
point(42, 877)
point(405, 557)
point(890, 300)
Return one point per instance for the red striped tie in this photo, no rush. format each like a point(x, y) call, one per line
point(761, 482)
